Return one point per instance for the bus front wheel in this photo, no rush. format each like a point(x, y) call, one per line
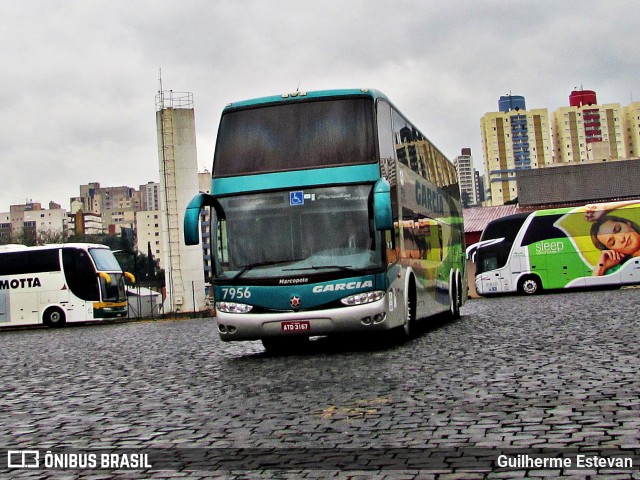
point(406, 331)
point(54, 317)
point(529, 285)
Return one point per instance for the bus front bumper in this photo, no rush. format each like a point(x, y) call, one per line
point(369, 317)
point(110, 310)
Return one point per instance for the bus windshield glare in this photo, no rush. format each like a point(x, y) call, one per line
point(295, 136)
point(105, 260)
point(323, 230)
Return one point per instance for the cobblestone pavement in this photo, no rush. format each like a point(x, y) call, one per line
point(556, 374)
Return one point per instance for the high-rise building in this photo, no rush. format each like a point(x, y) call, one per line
point(466, 178)
point(149, 235)
point(631, 129)
point(116, 205)
point(480, 188)
point(587, 132)
point(513, 138)
point(150, 196)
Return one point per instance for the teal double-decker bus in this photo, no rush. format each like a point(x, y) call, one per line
point(330, 213)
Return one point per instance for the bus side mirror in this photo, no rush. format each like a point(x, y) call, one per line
point(105, 276)
point(192, 216)
point(383, 216)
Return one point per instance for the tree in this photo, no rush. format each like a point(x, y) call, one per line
point(48, 236)
point(146, 269)
point(29, 237)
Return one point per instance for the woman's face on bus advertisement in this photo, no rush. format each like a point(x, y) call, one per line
point(619, 237)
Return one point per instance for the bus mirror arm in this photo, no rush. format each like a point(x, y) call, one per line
point(105, 276)
point(192, 216)
point(383, 214)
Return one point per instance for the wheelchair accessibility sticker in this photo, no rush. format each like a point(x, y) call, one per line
point(296, 198)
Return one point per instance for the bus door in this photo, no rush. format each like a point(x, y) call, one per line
point(519, 263)
point(490, 260)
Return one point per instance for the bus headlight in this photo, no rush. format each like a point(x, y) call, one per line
point(232, 307)
point(362, 298)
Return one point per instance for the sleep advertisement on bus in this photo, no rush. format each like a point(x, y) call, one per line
point(587, 246)
point(603, 238)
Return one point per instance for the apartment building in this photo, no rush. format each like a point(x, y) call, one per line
point(81, 223)
point(513, 139)
point(516, 139)
point(117, 206)
point(26, 223)
point(587, 132)
point(150, 196)
point(631, 128)
point(467, 178)
point(148, 226)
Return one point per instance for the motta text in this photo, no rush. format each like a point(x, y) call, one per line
point(20, 283)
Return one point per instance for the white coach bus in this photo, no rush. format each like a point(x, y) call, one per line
point(56, 284)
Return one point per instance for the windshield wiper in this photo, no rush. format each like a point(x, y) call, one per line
point(346, 268)
point(251, 266)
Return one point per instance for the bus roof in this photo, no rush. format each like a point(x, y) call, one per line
point(13, 247)
point(301, 96)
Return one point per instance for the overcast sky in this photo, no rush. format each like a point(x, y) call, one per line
point(80, 78)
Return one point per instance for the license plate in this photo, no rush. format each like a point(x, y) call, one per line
point(299, 326)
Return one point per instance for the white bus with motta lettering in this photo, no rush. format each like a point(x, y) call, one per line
point(56, 284)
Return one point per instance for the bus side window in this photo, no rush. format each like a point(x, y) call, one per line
point(542, 228)
point(80, 274)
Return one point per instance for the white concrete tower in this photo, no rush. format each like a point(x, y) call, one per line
point(184, 275)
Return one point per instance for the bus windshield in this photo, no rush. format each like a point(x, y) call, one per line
point(105, 260)
point(289, 233)
point(295, 136)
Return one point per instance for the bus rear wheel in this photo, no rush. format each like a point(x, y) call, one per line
point(54, 317)
point(529, 285)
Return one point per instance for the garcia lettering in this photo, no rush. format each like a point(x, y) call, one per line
point(336, 287)
point(429, 199)
point(20, 283)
